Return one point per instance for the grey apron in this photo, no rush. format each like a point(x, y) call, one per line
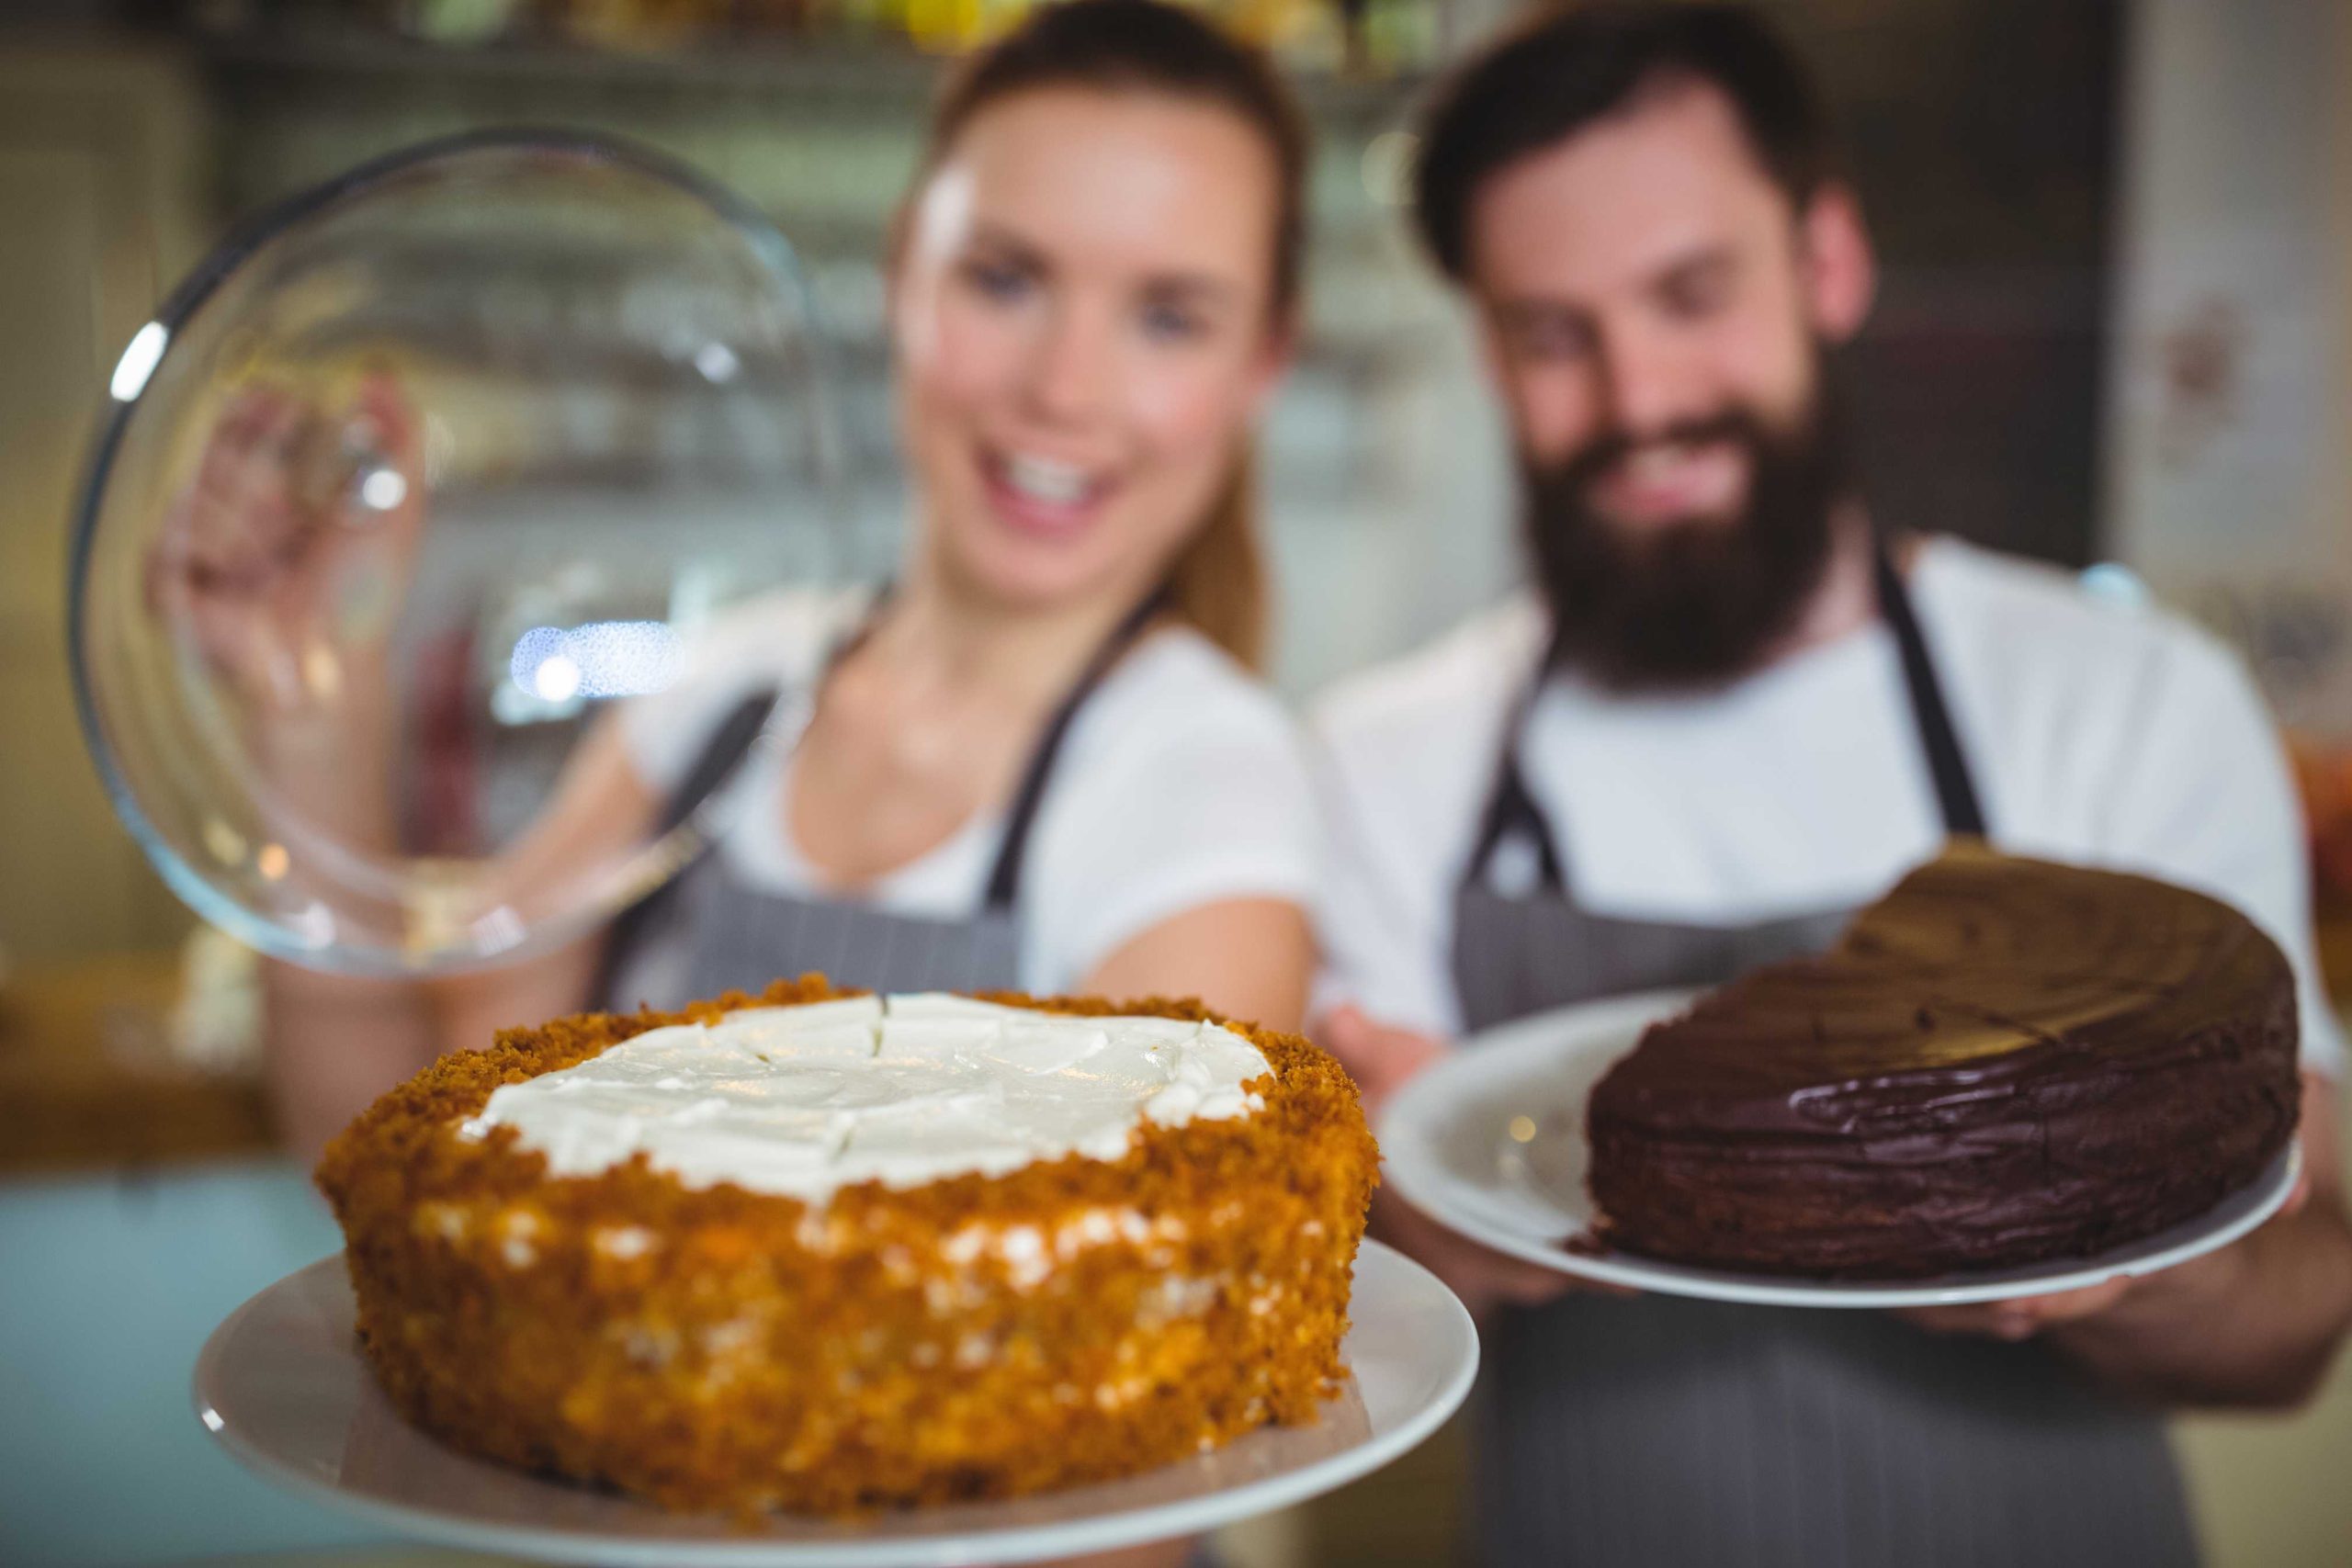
point(709, 931)
point(1660, 1432)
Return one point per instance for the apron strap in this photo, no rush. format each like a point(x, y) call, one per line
point(1004, 878)
point(720, 756)
point(742, 726)
point(725, 748)
point(1510, 808)
point(1963, 812)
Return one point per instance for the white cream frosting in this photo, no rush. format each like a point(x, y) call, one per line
point(903, 1090)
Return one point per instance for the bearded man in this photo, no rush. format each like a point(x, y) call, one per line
point(1736, 706)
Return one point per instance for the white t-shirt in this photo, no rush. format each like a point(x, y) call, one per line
point(2096, 733)
point(1180, 782)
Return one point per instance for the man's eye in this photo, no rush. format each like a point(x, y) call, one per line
point(1554, 338)
point(1697, 293)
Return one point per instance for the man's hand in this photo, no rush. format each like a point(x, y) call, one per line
point(1381, 1059)
point(2254, 1323)
point(2023, 1317)
point(1480, 1277)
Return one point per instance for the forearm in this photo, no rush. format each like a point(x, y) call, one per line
point(1246, 958)
point(327, 795)
point(471, 1008)
point(326, 750)
point(2257, 1324)
point(332, 1042)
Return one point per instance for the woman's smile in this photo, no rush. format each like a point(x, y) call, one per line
point(1042, 497)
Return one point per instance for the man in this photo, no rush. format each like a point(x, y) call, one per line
point(1738, 708)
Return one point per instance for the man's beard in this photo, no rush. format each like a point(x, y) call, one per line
point(1696, 603)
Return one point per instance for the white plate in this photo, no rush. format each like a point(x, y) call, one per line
point(1446, 1145)
point(283, 1386)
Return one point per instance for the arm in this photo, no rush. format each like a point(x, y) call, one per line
point(1247, 958)
point(290, 585)
point(251, 565)
point(335, 1041)
point(2254, 1323)
point(1183, 863)
point(332, 1042)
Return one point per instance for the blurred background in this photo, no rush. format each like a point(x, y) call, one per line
point(2116, 333)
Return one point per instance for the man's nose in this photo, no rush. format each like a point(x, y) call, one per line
point(1645, 388)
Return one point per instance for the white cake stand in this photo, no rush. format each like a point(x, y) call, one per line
point(282, 1385)
point(1490, 1142)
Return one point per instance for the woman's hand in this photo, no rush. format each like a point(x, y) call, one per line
point(288, 558)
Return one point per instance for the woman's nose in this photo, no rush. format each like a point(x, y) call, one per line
point(1071, 373)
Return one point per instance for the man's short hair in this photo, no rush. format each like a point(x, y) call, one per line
point(1569, 69)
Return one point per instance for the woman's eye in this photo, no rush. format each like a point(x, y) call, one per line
point(1173, 323)
point(1001, 281)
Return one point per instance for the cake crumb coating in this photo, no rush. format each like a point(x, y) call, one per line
point(714, 1348)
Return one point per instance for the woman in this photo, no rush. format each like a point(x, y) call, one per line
point(1039, 761)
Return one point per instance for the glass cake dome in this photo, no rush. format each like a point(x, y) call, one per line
point(404, 498)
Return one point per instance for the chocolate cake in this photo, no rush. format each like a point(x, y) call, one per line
point(2003, 1061)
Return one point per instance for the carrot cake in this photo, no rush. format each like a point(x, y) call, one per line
point(828, 1252)
point(2002, 1062)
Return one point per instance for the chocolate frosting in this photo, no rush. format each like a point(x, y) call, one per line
point(2001, 1061)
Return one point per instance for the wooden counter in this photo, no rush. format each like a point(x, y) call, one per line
point(2334, 930)
point(87, 1079)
